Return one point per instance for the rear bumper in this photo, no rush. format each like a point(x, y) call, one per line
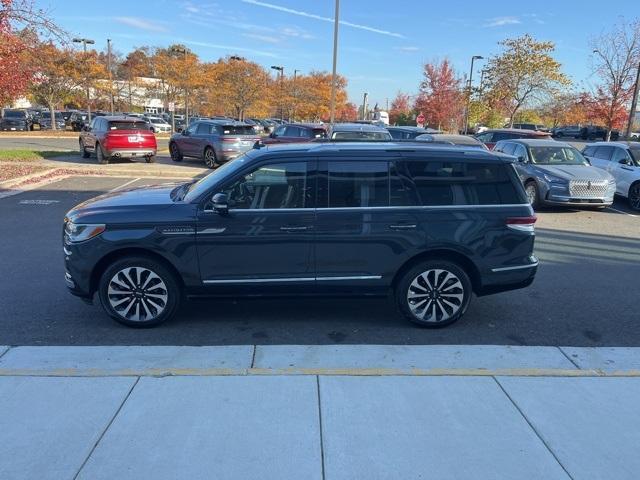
point(130, 152)
point(506, 278)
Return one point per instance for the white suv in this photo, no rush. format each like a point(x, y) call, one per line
point(622, 160)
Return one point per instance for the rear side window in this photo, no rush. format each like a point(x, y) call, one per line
point(358, 184)
point(204, 129)
point(441, 183)
point(497, 136)
point(128, 126)
point(318, 133)
point(485, 137)
point(237, 130)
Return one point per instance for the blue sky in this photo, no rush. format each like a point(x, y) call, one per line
point(383, 44)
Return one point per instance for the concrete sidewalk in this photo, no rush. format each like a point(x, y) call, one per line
point(319, 412)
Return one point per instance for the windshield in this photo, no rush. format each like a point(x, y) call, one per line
point(156, 120)
point(556, 156)
point(198, 188)
point(361, 136)
point(128, 126)
point(635, 154)
point(14, 114)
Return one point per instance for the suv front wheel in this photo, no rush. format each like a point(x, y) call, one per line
point(139, 292)
point(434, 293)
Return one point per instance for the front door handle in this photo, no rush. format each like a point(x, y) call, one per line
point(403, 226)
point(286, 228)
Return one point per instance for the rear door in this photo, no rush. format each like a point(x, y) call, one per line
point(360, 240)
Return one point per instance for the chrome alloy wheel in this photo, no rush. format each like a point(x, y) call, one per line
point(435, 295)
point(531, 193)
point(634, 196)
point(210, 158)
point(137, 294)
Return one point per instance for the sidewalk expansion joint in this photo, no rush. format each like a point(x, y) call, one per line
point(253, 356)
point(320, 426)
point(95, 445)
point(568, 357)
point(366, 372)
point(2, 354)
point(533, 428)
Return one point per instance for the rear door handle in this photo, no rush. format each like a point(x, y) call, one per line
point(403, 226)
point(286, 228)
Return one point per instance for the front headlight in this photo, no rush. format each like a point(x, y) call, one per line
point(552, 179)
point(79, 232)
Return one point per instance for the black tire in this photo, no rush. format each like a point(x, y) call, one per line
point(140, 264)
point(209, 157)
point(634, 196)
point(150, 159)
point(83, 151)
point(174, 151)
point(533, 193)
point(427, 308)
point(102, 160)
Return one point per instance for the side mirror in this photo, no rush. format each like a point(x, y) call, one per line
point(220, 203)
point(626, 161)
point(272, 135)
point(185, 132)
point(522, 159)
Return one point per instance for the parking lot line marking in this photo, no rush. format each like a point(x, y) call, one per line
point(124, 185)
point(622, 211)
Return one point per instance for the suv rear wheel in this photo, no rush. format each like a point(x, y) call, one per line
point(100, 155)
point(210, 159)
point(139, 292)
point(533, 195)
point(634, 196)
point(174, 151)
point(434, 293)
point(84, 151)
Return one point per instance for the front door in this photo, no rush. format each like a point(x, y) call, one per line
point(267, 237)
point(624, 170)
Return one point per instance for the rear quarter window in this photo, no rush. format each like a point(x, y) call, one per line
point(442, 183)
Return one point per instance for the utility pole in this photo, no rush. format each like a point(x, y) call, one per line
point(85, 42)
point(334, 80)
point(634, 105)
point(110, 73)
point(466, 113)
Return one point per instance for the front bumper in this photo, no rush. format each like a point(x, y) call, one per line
point(554, 199)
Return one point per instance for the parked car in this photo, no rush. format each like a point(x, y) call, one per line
point(566, 131)
point(529, 126)
point(429, 225)
point(296, 133)
point(118, 136)
point(461, 140)
point(158, 125)
point(358, 132)
point(408, 132)
point(214, 141)
point(594, 132)
point(45, 121)
point(555, 173)
point(622, 160)
point(267, 125)
point(258, 129)
point(491, 137)
point(78, 120)
point(16, 120)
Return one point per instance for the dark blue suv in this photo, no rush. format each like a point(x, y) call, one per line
point(429, 224)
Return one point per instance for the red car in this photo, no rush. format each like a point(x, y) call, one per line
point(296, 133)
point(491, 137)
point(118, 137)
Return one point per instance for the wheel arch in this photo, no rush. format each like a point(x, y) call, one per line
point(111, 257)
point(445, 254)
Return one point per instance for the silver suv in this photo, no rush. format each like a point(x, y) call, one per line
point(622, 160)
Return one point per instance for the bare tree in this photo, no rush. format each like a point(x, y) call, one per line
point(23, 14)
point(616, 56)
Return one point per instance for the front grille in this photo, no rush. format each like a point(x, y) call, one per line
point(588, 188)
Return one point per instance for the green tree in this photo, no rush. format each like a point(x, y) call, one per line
point(523, 72)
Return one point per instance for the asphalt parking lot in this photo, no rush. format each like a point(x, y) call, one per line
point(584, 294)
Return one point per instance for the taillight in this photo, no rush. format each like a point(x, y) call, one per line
point(522, 224)
point(230, 140)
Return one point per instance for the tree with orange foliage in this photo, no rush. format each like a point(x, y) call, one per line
point(400, 112)
point(441, 98)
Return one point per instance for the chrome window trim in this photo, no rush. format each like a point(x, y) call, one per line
point(291, 279)
point(517, 267)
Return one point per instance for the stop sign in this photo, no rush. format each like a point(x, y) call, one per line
point(420, 118)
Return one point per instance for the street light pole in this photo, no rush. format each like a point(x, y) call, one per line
point(334, 80)
point(280, 68)
point(186, 87)
point(634, 104)
point(364, 105)
point(466, 113)
point(85, 42)
point(110, 73)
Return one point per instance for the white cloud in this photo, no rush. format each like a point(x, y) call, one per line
point(321, 18)
point(262, 38)
point(502, 21)
point(409, 48)
point(229, 48)
point(142, 24)
point(296, 33)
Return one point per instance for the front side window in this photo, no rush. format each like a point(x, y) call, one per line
point(520, 152)
point(279, 132)
point(485, 137)
point(619, 154)
point(442, 183)
point(603, 153)
point(293, 132)
point(358, 184)
point(281, 185)
point(204, 129)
